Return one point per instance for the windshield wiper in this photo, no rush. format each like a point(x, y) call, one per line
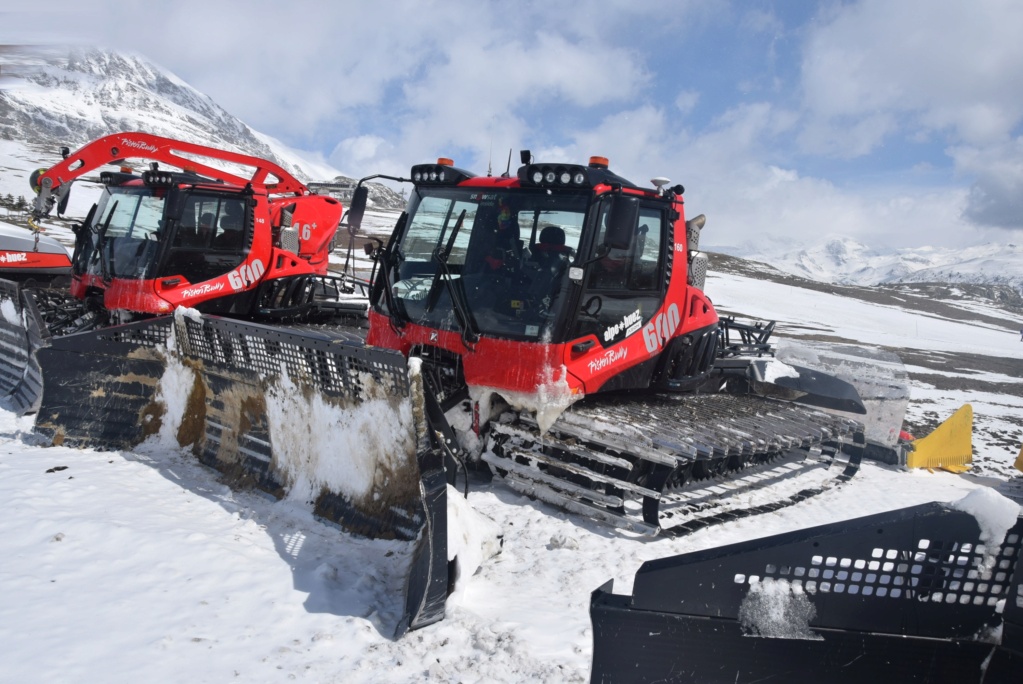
point(463, 316)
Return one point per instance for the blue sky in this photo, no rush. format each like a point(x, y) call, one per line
point(896, 122)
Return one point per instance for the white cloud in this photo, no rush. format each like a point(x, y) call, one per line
point(938, 64)
point(924, 69)
point(383, 86)
point(996, 196)
point(360, 148)
point(686, 101)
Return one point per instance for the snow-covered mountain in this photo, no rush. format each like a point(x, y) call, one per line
point(55, 98)
point(848, 262)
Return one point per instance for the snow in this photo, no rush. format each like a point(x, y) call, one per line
point(472, 539)
point(775, 369)
point(779, 609)
point(141, 566)
point(994, 513)
point(9, 311)
point(864, 322)
point(376, 438)
point(839, 259)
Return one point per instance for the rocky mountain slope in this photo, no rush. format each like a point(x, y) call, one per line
point(55, 98)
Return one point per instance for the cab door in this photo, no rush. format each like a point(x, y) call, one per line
point(621, 294)
point(212, 237)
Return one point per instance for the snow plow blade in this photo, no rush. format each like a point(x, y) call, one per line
point(879, 378)
point(311, 415)
point(949, 446)
point(21, 333)
point(922, 594)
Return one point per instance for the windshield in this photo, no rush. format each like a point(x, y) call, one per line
point(506, 254)
point(125, 229)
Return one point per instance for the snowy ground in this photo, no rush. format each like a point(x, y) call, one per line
point(142, 567)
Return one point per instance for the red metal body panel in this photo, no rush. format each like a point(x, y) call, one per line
point(492, 362)
point(28, 260)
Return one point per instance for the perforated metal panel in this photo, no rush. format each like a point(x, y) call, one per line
point(289, 240)
point(335, 362)
point(698, 270)
point(937, 571)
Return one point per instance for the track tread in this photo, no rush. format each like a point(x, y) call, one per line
point(668, 446)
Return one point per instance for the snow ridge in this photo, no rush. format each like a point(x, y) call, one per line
point(845, 261)
point(55, 98)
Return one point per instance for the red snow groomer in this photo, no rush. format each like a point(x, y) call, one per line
point(249, 246)
point(563, 309)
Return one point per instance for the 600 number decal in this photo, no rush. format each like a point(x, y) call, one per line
point(245, 274)
point(660, 328)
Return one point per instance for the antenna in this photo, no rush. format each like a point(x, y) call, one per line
point(490, 157)
point(507, 171)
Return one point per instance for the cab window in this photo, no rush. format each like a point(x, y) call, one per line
point(623, 289)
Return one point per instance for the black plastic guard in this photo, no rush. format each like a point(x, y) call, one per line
point(901, 597)
point(21, 333)
point(427, 587)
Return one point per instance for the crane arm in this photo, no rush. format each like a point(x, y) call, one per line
point(54, 183)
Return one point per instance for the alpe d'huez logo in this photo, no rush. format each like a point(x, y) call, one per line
point(630, 324)
point(13, 257)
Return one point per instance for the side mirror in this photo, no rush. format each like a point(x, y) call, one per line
point(357, 208)
point(622, 218)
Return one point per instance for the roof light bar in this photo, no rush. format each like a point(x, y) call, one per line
point(557, 175)
point(158, 178)
point(442, 173)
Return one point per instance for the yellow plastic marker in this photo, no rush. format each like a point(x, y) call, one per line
point(1019, 460)
point(949, 447)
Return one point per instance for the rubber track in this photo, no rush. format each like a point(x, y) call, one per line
point(665, 450)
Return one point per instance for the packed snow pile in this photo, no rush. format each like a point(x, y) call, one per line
point(473, 539)
point(779, 609)
point(995, 516)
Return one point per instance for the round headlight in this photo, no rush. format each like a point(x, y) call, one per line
point(579, 178)
point(537, 176)
point(440, 175)
point(433, 175)
point(549, 176)
point(565, 177)
point(417, 176)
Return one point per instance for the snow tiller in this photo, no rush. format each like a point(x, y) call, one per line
point(932, 593)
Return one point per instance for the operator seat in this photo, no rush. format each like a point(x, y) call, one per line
point(550, 249)
point(230, 235)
